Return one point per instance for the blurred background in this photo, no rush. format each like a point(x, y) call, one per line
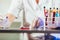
point(4, 6)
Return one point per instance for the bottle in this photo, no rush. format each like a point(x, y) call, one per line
point(44, 10)
point(53, 17)
point(50, 17)
point(57, 14)
point(46, 15)
point(50, 14)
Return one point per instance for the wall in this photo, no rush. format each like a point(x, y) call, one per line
point(4, 5)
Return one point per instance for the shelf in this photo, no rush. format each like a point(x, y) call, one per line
point(29, 31)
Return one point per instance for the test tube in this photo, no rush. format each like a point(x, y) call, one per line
point(46, 15)
point(53, 17)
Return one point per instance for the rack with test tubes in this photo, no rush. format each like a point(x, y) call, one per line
point(52, 16)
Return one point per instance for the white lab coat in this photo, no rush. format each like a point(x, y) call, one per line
point(31, 9)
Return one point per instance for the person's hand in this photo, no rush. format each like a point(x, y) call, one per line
point(10, 16)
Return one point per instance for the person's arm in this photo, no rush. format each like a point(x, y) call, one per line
point(34, 23)
point(15, 8)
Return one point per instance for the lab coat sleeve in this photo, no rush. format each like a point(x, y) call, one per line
point(15, 7)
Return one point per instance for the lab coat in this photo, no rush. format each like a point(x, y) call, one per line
point(31, 9)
